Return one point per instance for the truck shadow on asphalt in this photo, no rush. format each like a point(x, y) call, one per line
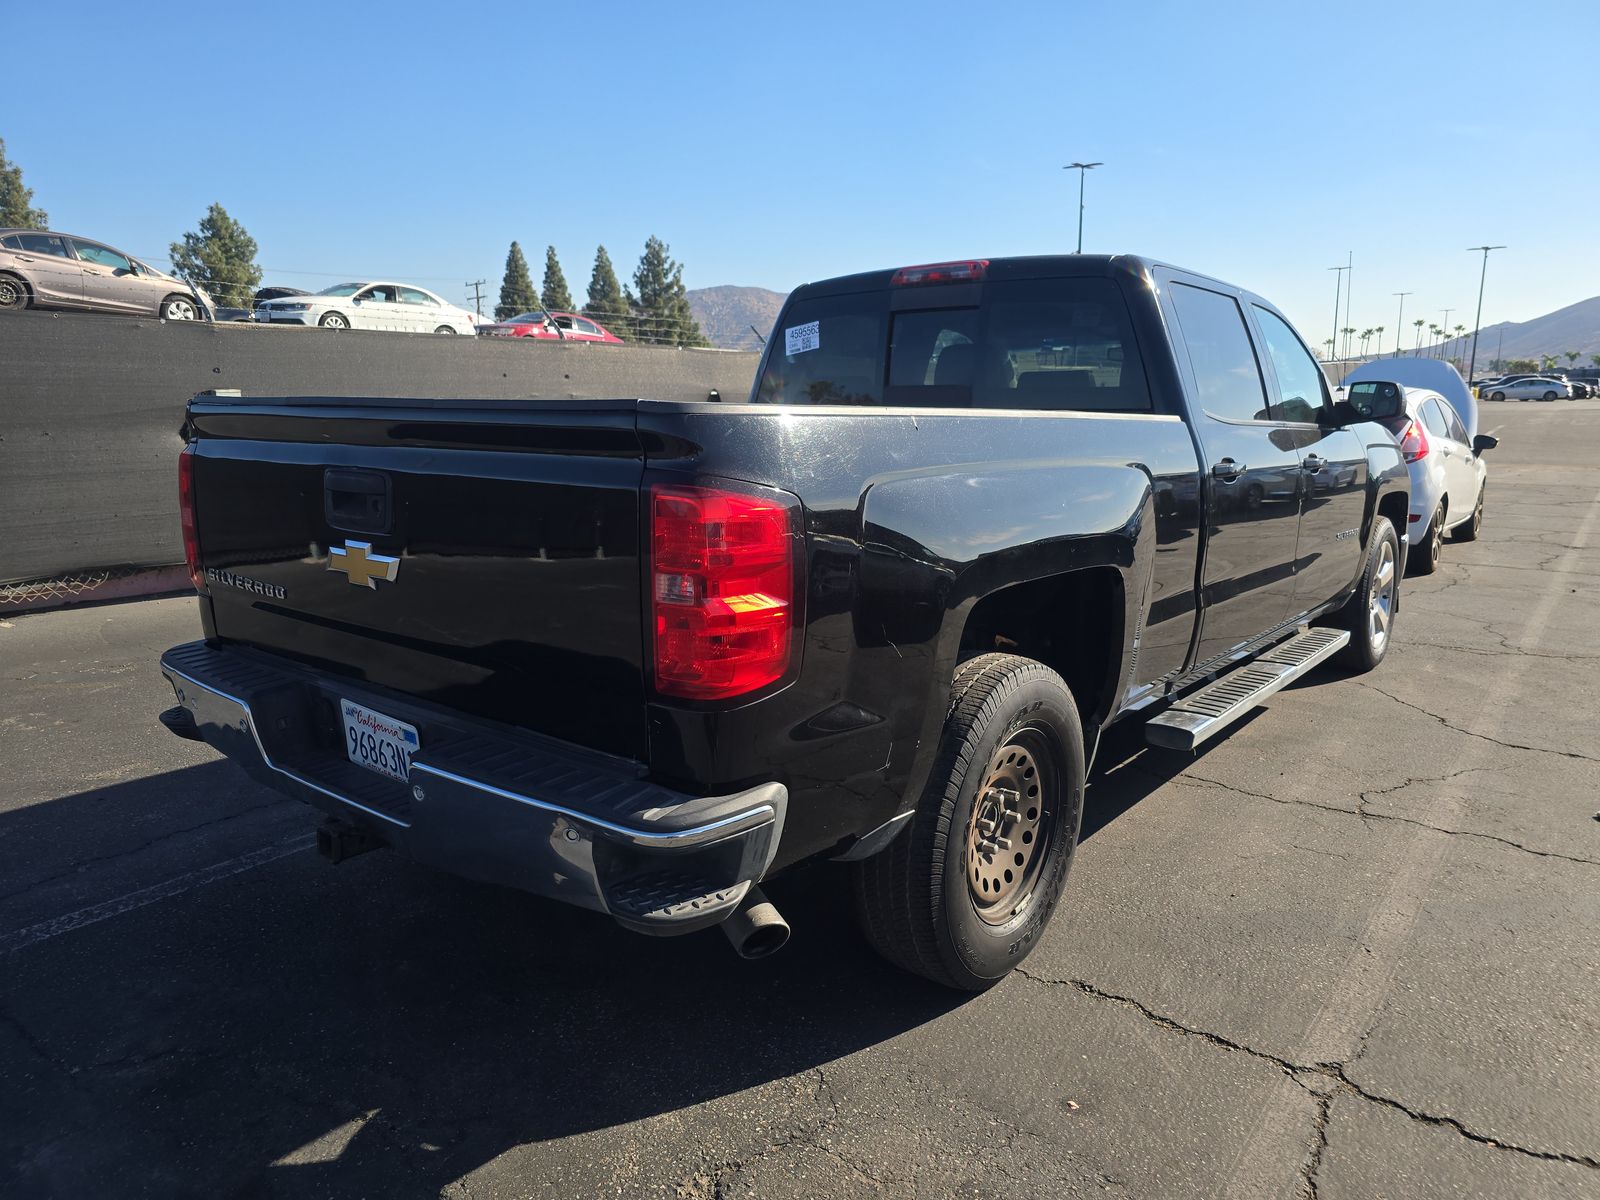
point(300, 1028)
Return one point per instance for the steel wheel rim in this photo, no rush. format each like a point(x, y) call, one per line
point(1436, 540)
point(1010, 826)
point(10, 293)
point(334, 322)
point(180, 310)
point(1380, 599)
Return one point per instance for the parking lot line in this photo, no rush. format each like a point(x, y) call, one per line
point(43, 931)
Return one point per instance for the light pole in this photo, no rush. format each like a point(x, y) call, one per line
point(1083, 170)
point(1399, 322)
point(1338, 282)
point(1349, 291)
point(1472, 364)
point(1445, 329)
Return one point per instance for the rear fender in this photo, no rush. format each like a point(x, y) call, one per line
point(935, 545)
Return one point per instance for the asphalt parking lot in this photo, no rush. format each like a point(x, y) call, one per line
point(1349, 951)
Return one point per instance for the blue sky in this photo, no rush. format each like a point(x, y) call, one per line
point(771, 144)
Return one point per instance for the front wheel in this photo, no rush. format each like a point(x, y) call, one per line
point(1468, 532)
point(1369, 614)
point(334, 321)
point(1425, 561)
point(964, 894)
point(1498, 396)
point(179, 308)
point(444, 329)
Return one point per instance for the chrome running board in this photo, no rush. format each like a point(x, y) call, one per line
point(1217, 705)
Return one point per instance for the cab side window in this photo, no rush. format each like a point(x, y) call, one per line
point(1218, 344)
point(1302, 389)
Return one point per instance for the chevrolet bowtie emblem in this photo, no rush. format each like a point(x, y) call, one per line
point(361, 565)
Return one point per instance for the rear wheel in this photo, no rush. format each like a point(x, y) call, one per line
point(1369, 614)
point(179, 308)
point(1468, 530)
point(1549, 396)
point(1425, 561)
point(13, 292)
point(334, 321)
point(963, 895)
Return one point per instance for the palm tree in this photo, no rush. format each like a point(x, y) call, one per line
point(1419, 323)
point(1433, 347)
point(1461, 339)
point(1328, 342)
point(1571, 357)
point(1548, 361)
point(1349, 332)
point(1595, 359)
point(1378, 329)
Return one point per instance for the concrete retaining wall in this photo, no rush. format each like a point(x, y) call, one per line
point(90, 409)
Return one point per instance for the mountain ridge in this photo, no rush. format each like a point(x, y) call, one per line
point(727, 312)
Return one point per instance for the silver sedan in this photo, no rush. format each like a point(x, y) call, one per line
point(44, 269)
point(1531, 388)
point(1447, 476)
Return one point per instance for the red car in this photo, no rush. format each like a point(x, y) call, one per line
point(551, 326)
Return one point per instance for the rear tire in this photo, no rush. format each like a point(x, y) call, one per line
point(1425, 561)
point(1468, 531)
point(964, 894)
point(1548, 396)
point(1369, 614)
point(14, 294)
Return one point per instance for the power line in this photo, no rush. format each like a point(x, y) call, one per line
point(477, 294)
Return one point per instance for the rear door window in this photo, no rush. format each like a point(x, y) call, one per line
point(1028, 344)
point(1218, 344)
point(43, 243)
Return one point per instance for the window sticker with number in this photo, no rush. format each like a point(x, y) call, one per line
point(797, 339)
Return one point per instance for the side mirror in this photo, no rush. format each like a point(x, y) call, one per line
point(1484, 441)
point(1374, 401)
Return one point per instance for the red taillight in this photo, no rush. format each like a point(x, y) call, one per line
point(191, 534)
point(966, 271)
point(1414, 441)
point(722, 582)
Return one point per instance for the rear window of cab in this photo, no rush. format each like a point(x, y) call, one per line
point(1052, 344)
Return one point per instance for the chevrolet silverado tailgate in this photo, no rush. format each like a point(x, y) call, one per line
point(480, 555)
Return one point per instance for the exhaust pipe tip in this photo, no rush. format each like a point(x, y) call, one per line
point(756, 929)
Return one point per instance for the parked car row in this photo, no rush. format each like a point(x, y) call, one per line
point(1533, 387)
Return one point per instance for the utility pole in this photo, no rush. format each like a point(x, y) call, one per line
point(1444, 346)
point(1083, 169)
point(477, 294)
point(1400, 321)
point(1349, 290)
point(1478, 320)
point(1337, 284)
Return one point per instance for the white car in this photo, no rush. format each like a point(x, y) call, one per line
point(396, 307)
point(1447, 476)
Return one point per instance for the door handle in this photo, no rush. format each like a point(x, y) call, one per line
point(1228, 469)
point(1313, 463)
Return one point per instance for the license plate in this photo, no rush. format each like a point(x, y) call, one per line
point(377, 742)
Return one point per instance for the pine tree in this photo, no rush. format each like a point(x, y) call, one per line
point(555, 295)
point(219, 257)
point(16, 201)
point(607, 302)
point(663, 305)
point(516, 289)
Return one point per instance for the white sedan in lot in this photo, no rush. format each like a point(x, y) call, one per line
point(396, 307)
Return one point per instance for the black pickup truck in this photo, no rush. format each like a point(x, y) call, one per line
point(639, 656)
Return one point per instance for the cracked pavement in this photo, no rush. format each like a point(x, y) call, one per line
point(1348, 951)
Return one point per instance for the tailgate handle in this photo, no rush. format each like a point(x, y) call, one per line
point(357, 501)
